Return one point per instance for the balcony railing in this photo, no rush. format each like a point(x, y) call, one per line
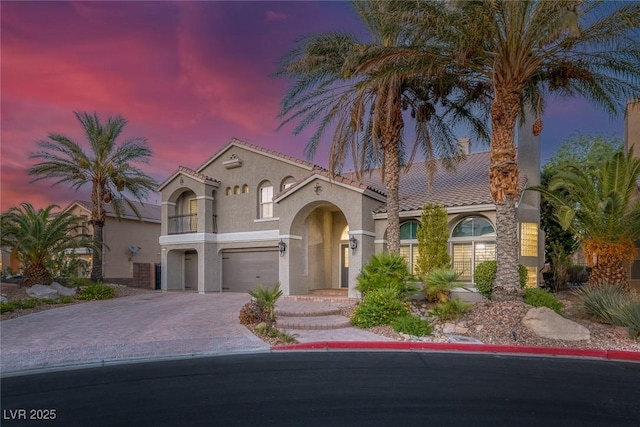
point(182, 224)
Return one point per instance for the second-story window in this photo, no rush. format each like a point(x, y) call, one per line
point(266, 200)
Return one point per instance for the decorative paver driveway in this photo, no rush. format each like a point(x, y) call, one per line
point(140, 326)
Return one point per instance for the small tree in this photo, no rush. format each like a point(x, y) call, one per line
point(267, 298)
point(433, 236)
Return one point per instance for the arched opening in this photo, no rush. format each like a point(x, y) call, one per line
point(473, 240)
point(409, 243)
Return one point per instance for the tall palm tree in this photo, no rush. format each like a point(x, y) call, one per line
point(524, 50)
point(339, 84)
point(38, 237)
point(601, 211)
point(106, 166)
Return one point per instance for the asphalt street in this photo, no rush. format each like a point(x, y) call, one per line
point(320, 388)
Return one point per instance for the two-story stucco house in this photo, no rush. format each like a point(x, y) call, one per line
point(249, 215)
point(131, 248)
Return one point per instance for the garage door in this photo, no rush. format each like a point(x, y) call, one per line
point(243, 270)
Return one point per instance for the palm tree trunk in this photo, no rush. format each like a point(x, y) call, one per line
point(609, 273)
point(96, 266)
point(36, 274)
point(504, 186)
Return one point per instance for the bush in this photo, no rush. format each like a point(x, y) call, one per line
point(538, 297)
point(6, 307)
point(602, 301)
point(628, 315)
point(439, 283)
point(484, 277)
point(379, 307)
point(267, 298)
point(386, 270)
point(97, 291)
point(451, 309)
point(79, 281)
point(411, 325)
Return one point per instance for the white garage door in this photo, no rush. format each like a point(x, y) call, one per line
point(243, 270)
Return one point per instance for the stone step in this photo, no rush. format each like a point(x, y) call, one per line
point(337, 292)
point(306, 312)
point(313, 322)
point(321, 298)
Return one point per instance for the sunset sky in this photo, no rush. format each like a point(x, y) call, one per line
point(188, 76)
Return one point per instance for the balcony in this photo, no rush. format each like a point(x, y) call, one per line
point(183, 224)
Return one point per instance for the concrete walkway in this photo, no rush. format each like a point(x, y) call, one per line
point(139, 327)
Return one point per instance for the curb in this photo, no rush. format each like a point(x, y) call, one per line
point(468, 348)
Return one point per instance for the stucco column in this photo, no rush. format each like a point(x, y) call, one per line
point(359, 257)
point(284, 272)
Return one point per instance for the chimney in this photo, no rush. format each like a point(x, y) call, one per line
point(464, 145)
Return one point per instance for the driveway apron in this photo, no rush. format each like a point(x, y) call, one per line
point(141, 326)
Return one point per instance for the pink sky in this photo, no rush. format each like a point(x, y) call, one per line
point(188, 76)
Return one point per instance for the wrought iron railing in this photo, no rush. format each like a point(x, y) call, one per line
point(182, 224)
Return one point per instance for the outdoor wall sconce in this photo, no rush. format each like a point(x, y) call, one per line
point(282, 247)
point(353, 243)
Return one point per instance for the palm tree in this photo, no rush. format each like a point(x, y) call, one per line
point(601, 211)
point(107, 167)
point(524, 50)
point(339, 84)
point(39, 237)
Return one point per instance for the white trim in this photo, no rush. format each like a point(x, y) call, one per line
point(238, 237)
point(362, 233)
point(188, 175)
point(378, 242)
point(290, 236)
point(275, 218)
point(450, 210)
point(169, 203)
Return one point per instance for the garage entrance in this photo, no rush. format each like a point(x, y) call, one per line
point(243, 269)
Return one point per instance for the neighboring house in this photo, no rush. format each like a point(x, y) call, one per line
point(632, 141)
point(249, 215)
point(131, 244)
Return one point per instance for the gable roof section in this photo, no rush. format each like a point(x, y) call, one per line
point(467, 185)
point(260, 150)
point(148, 211)
point(344, 181)
point(182, 170)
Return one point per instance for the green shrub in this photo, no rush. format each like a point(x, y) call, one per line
point(65, 300)
point(411, 325)
point(386, 270)
point(97, 291)
point(484, 276)
point(267, 298)
point(439, 283)
point(628, 315)
point(79, 281)
point(6, 307)
point(378, 307)
point(602, 301)
point(451, 309)
point(28, 303)
point(538, 297)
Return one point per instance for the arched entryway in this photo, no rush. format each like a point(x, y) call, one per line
point(318, 252)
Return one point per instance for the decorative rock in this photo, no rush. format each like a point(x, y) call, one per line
point(479, 328)
point(449, 328)
point(42, 292)
point(63, 290)
point(461, 330)
point(3, 299)
point(546, 323)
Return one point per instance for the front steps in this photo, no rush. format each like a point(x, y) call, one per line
point(317, 311)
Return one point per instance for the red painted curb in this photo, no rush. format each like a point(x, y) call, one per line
point(474, 348)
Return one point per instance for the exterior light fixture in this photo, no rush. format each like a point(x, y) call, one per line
point(353, 243)
point(282, 247)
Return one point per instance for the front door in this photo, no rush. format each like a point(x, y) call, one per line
point(344, 265)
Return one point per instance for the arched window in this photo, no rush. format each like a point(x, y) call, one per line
point(245, 189)
point(266, 200)
point(409, 243)
point(228, 191)
point(472, 242)
point(236, 189)
point(287, 182)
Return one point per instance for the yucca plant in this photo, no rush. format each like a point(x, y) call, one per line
point(451, 309)
point(628, 315)
point(601, 302)
point(385, 270)
point(267, 298)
